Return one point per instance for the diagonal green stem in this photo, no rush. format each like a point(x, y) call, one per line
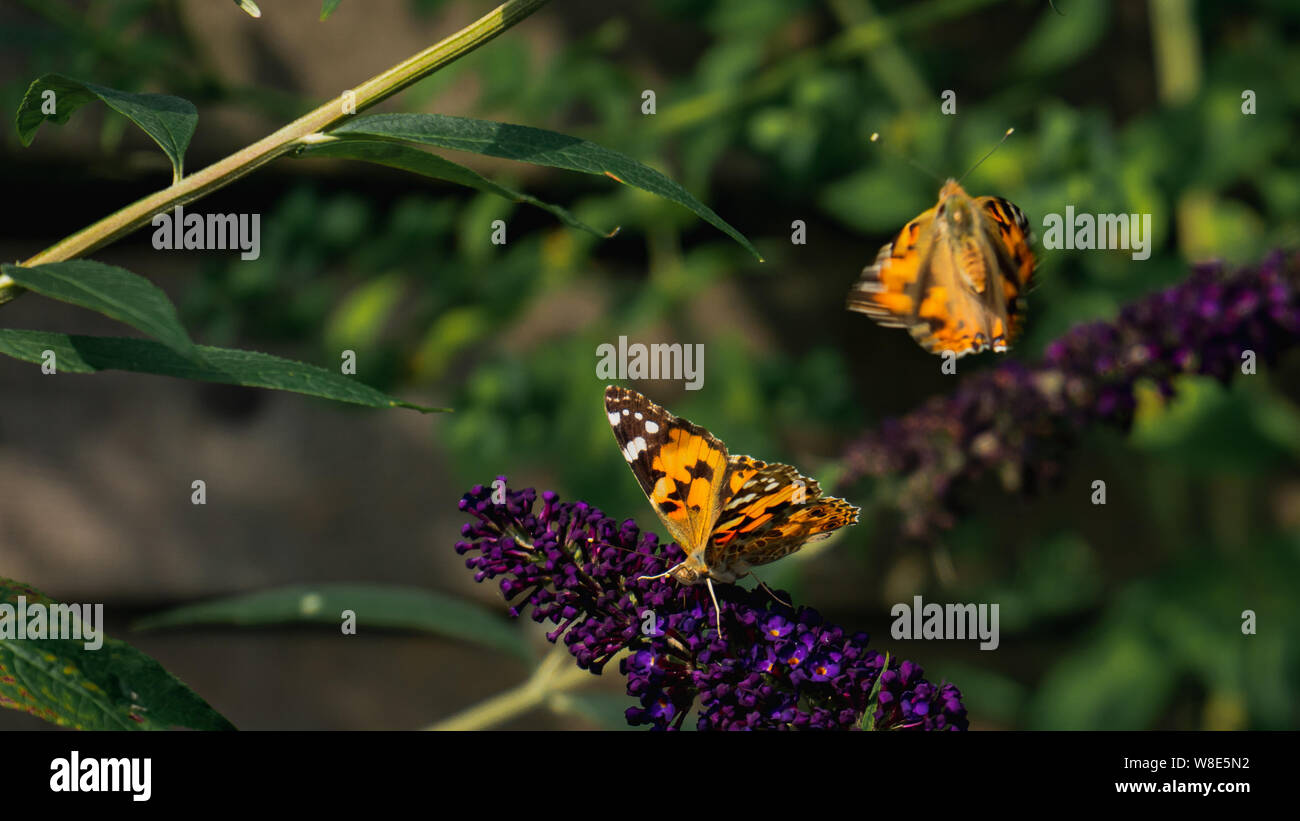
point(552, 679)
point(223, 172)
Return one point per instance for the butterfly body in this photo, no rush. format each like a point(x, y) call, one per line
point(729, 513)
point(955, 276)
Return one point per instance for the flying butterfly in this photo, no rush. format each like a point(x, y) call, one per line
point(956, 276)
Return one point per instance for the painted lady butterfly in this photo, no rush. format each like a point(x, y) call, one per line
point(729, 513)
point(955, 276)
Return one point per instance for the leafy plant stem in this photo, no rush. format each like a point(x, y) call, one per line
point(254, 156)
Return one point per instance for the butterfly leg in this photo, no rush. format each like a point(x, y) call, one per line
point(772, 593)
point(717, 611)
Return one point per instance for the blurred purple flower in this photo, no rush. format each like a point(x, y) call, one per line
point(1017, 421)
point(777, 668)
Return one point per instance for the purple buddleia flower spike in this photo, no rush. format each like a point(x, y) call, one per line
point(1017, 422)
point(569, 565)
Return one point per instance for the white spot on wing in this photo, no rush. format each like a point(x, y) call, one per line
point(651, 426)
point(614, 417)
point(633, 448)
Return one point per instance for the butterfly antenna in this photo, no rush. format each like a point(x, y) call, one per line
point(875, 138)
point(637, 552)
point(1010, 131)
point(772, 593)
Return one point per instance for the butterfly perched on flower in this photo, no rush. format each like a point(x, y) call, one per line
point(955, 277)
point(729, 513)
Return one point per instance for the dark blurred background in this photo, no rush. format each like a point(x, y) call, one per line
point(1116, 617)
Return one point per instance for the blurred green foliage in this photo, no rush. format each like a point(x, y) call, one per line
point(1127, 616)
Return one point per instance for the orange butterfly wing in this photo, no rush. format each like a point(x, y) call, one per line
point(681, 467)
point(1015, 256)
point(954, 291)
point(889, 290)
point(774, 511)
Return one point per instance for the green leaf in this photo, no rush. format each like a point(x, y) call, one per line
point(1209, 429)
point(868, 720)
point(112, 687)
point(250, 7)
point(532, 145)
point(397, 155)
point(327, 8)
point(365, 313)
point(1120, 681)
point(374, 605)
point(1058, 40)
point(89, 354)
point(112, 291)
point(169, 121)
point(874, 200)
